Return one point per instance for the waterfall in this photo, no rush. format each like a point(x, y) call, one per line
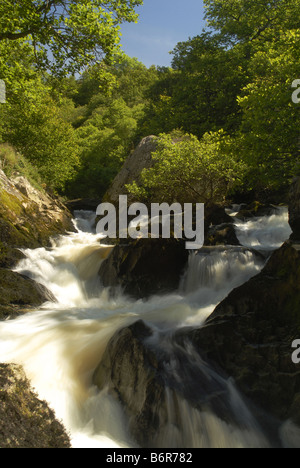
point(61, 344)
point(265, 232)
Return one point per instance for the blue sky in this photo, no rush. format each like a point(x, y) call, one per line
point(162, 24)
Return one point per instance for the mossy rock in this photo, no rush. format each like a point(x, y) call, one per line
point(25, 420)
point(19, 290)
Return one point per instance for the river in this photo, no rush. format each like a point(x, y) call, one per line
point(61, 344)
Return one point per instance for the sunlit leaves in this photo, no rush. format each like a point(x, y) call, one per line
point(66, 36)
point(189, 170)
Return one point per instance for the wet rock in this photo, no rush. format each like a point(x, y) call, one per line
point(131, 372)
point(17, 291)
point(155, 380)
point(215, 216)
point(83, 204)
point(145, 267)
point(255, 209)
point(223, 234)
point(250, 335)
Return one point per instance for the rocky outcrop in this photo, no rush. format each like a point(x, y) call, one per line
point(18, 293)
point(139, 159)
point(28, 219)
point(156, 381)
point(250, 335)
point(145, 267)
point(255, 209)
point(26, 421)
point(85, 204)
point(132, 373)
point(224, 234)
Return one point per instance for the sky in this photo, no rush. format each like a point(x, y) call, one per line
point(162, 24)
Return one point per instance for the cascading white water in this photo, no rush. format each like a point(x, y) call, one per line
point(266, 232)
point(61, 344)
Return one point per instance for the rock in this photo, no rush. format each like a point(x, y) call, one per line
point(255, 209)
point(139, 159)
point(250, 334)
point(8, 186)
point(17, 290)
point(294, 209)
point(85, 204)
point(155, 266)
point(221, 235)
point(26, 421)
point(145, 267)
point(164, 387)
point(215, 216)
point(28, 218)
point(131, 372)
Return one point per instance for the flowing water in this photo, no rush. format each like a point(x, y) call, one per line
point(61, 344)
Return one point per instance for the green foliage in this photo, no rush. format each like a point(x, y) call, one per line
point(14, 163)
point(199, 94)
point(237, 78)
point(107, 124)
point(188, 170)
point(269, 134)
point(249, 20)
point(66, 36)
point(34, 126)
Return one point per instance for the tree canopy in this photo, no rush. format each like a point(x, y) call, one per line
point(66, 35)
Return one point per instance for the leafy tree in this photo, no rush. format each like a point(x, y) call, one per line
point(188, 170)
point(107, 124)
point(247, 20)
point(199, 94)
point(34, 125)
point(268, 139)
point(105, 140)
point(66, 35)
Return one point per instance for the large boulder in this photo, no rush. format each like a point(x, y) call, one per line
point(145, 267)
point(164, 388)
point(224, 234)
point(250, 335)
point(28, 218)
point(139, 159)
point(18, 293)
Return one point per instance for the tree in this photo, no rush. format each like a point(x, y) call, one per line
point(248, 20)
point(34, 125)
point(187, 170)
point(268, 139)
point(199, 94)
point(66, 35)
